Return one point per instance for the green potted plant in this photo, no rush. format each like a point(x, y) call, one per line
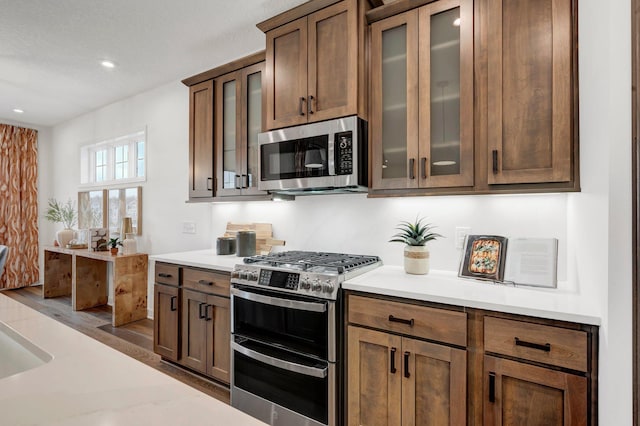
point(113, 244)
point(415, 236)
point(62, 213)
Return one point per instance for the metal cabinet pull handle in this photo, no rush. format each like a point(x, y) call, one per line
point(237, 182)
point(245, 181)
point(209, 187)
point(173, 305)
point(302, 99)
point(412, 167)
point(492, 387)
point(406, 365)
point(200, 314)
point(495, 161)
point(546, 347)
point(392, 368)
point(423, 167)
point(206, 312)
point(205, 282)
point(309, 106)
point(409, 322)
point(163, 275)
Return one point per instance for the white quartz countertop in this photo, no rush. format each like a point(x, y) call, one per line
point(200, 259)
point(447, 288)
point(89, 383)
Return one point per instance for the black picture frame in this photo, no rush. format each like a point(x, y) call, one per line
point(483, 257)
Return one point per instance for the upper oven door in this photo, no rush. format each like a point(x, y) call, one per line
point(296, 323)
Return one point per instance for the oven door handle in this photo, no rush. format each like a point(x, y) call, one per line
point(275, 301)
point(285, 365)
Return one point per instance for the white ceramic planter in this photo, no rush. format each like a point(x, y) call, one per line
point(64, 236)
point(416, 260)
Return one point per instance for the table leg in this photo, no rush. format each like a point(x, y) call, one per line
point(130, 288)
point(90, 283)
point(57, 274)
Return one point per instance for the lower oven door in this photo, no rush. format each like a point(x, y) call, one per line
point(280, 387)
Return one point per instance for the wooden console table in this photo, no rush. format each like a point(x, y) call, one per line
point(84, 275)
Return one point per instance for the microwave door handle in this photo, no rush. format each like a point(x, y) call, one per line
point(332, 156)
point(275, 301)
point(285, 365)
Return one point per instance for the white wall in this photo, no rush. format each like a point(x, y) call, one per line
point(593, 226)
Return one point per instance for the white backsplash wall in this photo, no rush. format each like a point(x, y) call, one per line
point(360, 225)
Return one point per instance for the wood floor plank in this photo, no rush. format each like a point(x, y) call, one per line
point(134, 339)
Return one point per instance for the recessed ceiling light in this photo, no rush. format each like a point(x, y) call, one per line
point(108, 64)
point(18, 110)
point(456, 22)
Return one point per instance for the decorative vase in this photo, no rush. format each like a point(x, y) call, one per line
point(416, 260)
point(64, 236)
point(129, 245)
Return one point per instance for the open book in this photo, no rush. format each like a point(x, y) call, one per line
point(521, 261)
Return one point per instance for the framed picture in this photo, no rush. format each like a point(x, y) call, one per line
point(483, 257)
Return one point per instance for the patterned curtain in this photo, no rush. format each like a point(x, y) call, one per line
point(19, 205)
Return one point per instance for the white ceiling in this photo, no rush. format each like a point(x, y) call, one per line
point(50, 50)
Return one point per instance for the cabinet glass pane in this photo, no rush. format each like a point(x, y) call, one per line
point(394, 103)
point(445, 93)
point(254, 124)
point(229, 134)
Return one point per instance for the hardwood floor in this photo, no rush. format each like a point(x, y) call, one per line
point(134, 339)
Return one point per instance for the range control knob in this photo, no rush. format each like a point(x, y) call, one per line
point(242, 275)
point(327, 287)
point(316, 285)
point(252, 276)
point(305, 284)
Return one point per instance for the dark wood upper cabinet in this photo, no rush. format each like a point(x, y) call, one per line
point(315, 64)
point(530, 91)
point(201, 140)
point(238, 120)
point(422, 97)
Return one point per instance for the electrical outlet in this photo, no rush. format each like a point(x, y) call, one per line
point(460, 235)
point(188, 227)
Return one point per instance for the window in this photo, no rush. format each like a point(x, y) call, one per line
point(114, 161)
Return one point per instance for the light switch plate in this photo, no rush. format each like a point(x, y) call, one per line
point(460, 235)
point(188, 227)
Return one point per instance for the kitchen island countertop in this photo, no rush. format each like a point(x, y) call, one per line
point(89, 383)
point(207, 259)
point(445, 287)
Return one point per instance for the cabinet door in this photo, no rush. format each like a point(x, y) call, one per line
point(333, 62)
point(252, 105)
point(194, 330)
point(523, 394)
point(201, 140)
point(166, 321)
point(217, 317)
point(529, 91)
point(433, 385)
point(394, 101)
point(373, 378)
point(228, 133)
point(286, 57)
point(446, 94)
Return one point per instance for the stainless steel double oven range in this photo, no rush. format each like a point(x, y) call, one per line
point(286, 345)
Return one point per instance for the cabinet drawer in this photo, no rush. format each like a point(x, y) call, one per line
point(535, 342)
point(167, 274)
point(429, 323)
point(206, 281)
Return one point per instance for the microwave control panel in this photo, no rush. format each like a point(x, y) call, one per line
point(344, 153)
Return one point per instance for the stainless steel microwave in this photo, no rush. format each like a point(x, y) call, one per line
point(324, 157)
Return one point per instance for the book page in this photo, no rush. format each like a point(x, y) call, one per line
point(532, 261)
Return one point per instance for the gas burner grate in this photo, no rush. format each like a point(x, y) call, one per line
point(306, 259)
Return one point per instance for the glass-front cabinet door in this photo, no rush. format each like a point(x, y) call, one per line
point(422, 97)
point(239, 106)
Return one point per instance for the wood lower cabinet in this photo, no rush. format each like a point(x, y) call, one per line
point(206, 333)
point(192, 323)
point(166, 321)
point(511, 370)
point(523, 394)
point(400, 380)
point(315, 64)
